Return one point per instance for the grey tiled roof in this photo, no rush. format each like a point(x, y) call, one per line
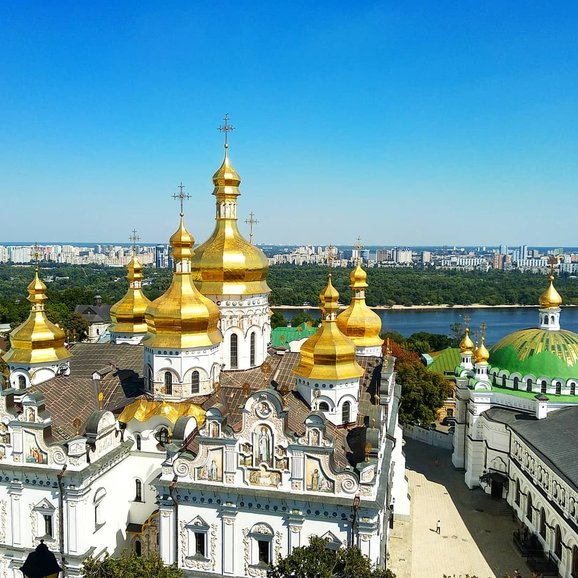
point(554, 438)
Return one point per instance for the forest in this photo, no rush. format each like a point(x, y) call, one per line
point(71, 285)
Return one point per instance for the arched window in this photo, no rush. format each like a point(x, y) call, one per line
point(149, 377)
point(138, 548)
point(252, 360)
point(137, 491)
point(323, 406)
point(529, 508)
point(346, 413)
point(168, 383)
point(552, 320)
point(545, 320)
point(162, 436)
point(21, 382)
point(516, 381)
point(528, 384)
point(234, 351)
point(573, 388)
point(558, 387)
point(138, 441)
point(574, 571)
point(543, 386)
point(504, 380)
point(558, 543)
point(517, 492)
point(542, 523)
point(195, 382)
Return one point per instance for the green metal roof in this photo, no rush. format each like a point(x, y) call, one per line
point(282, 336)
point(538, 352)
point(446, 360)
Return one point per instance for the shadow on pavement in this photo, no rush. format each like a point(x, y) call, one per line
point(489, 520)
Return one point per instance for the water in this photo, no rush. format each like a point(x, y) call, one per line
point(499, 321)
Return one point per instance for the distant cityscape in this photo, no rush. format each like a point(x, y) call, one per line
point(520, 258)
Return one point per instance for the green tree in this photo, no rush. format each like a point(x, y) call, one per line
point(423, 393)
point(129, 566)
point(319, 561)
point(278, 320)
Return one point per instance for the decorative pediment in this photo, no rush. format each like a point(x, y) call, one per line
point(44, 506)
point(197, 524)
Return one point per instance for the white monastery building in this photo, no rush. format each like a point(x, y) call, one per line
point(188, 434)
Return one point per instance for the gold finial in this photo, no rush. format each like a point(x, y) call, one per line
point(552, 262)
point(246, 390)
point(76, 425)
point(226, 128)
point(357, 247)
point(182, 196)
point(387, 347)
point(467, 320)
point(331, 255)
point(483, 330)
point(251, 221)
point(100, 400)
point(36, 255)
point(134, 239)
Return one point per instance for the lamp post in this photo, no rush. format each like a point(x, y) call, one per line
point(41, 563)
point(356, 501)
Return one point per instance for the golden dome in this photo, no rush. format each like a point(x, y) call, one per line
point(481, 355)
point(328, 354)
point(128, 315)
point(466, 344)
point(144, 409)
point(226, 263)
point(37, 340)
point(358, 321)
point(550, 297)
point(182, 317)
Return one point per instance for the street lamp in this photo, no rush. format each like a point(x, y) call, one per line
point(356, 501)
point(41, 563)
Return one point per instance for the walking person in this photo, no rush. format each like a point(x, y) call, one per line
point(438, 526)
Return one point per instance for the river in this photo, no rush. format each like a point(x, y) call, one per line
point(499, 321)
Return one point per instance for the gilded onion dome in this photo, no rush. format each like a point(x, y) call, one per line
point(481, 355)
point(128, 315)
point(358, 321)
point(466, 344)
point(227, 264)
point(182, 317)
point(328, 354)
point(550, 297)
point(37, 340)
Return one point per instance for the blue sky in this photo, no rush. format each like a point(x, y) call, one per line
point(401, 122)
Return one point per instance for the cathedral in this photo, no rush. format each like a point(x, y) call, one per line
point(189, 434)
point(516, 434)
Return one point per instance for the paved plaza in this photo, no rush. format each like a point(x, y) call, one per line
point(476, 530)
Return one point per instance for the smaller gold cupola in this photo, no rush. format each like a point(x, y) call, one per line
point(128, 314)
point(182, 317)
point(328, 354)
point(481, 355)
point(37, 340)
point(358, 321)
point(550, 298)
point(466, 344)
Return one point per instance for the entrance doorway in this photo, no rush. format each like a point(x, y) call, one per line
point(497, 489)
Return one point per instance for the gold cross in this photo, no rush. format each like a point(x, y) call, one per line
point(357, 247)
point(553, 261)
point(36, 254)
point(250, 221)
point(331, 256)
point(483, 329)
point(181, 195)
point(226, 128)
point(134, 238)
point(467, 319)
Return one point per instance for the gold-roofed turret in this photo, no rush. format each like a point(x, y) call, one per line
point(551, 298)
point(37, 340)
point(144, 409)
point(358, 322)
point(226, 263)
point(182, 317)
point(481, 354)
point(128, 314)
point(328, 354)
point(466, 344)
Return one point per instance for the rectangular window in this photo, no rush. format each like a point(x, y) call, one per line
point(263, 546)
point(48, 525)
point(200, 544)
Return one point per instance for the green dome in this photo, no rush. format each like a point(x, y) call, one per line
point(538, 352)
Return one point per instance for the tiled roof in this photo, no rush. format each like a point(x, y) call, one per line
point(446, 360)
point(94, 313)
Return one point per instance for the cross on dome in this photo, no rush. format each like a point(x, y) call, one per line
point(134, 239)
point(226, 128)
point(251, 221)
point(182, 196)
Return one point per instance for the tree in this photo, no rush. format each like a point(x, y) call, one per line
point(318, 560)
point(129, 566)
point(278, 320)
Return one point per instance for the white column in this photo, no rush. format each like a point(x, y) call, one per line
point(228, 545)
point(15, 492)
point(167, 531)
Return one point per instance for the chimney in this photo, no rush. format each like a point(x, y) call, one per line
point(541, 406)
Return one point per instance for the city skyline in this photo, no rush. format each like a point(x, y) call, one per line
point(439, 126)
